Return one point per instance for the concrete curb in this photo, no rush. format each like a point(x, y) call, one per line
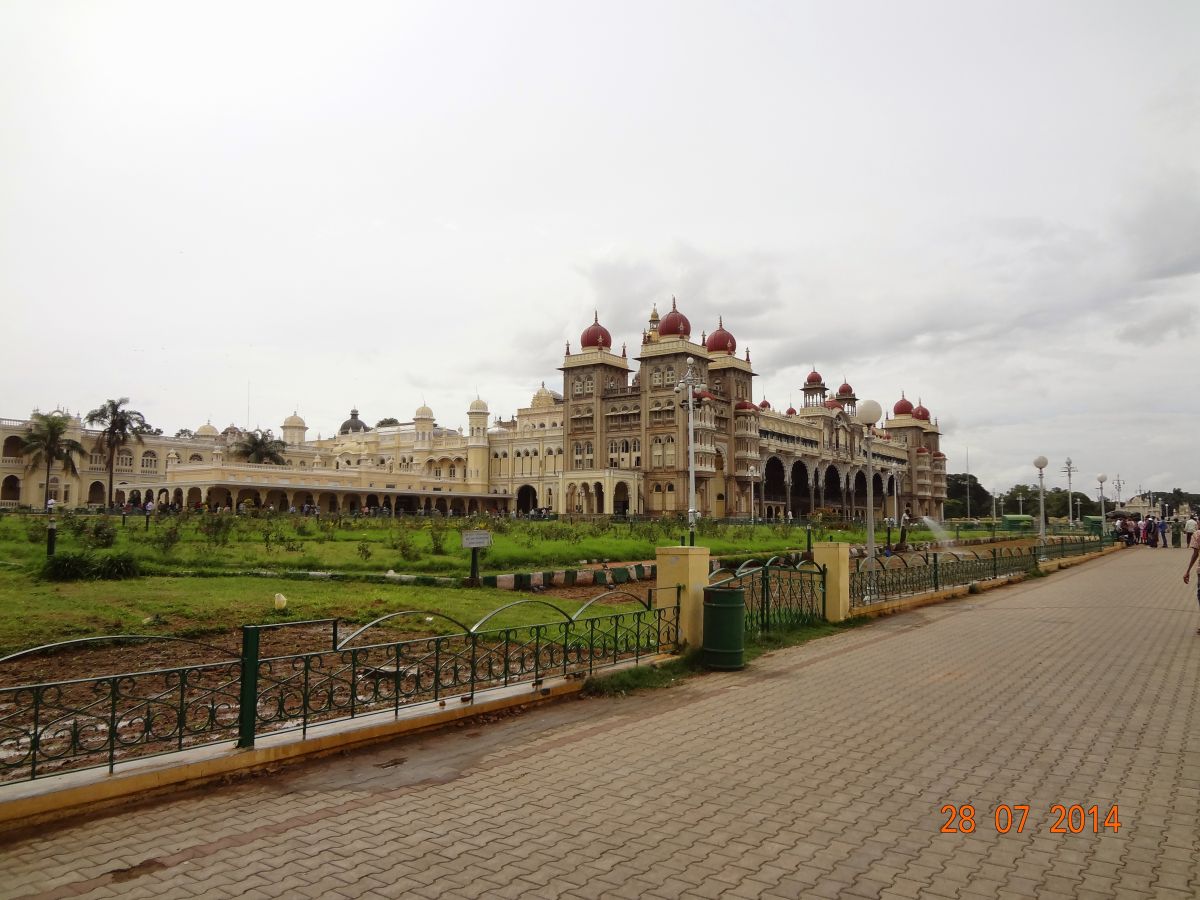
point(27, 803)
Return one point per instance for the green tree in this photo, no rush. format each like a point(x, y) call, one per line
point(956, 490)
point(260, 447)
point(185, 433)
point(46, 442)
point(384, 423)
point(118, 427)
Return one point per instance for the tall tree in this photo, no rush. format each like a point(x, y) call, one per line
point(118, 426)
point(46, 442)
point(260, 447)
point(956, 490)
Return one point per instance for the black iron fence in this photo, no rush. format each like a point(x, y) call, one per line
point(903, 576)
point(778, 594)
point(61, 726)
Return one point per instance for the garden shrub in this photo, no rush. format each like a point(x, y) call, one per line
point(116, 566)
point(69, 566)
point(100, 534)
point(216, 529)
point(35, 530)
point(86, 565)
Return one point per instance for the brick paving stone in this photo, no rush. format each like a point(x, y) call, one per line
point(819, 771)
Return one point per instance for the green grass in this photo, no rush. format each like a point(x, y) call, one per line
point(34, 613)
point(289, 543)
point(671, 672)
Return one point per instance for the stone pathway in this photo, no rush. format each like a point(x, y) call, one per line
point(821, 772)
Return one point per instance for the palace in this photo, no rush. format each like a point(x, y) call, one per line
point(613, 441)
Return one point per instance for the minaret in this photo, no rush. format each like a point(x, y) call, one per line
point(423, 425)
point(477, 443)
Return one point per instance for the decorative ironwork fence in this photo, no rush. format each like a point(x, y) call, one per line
point(778, 595)
point(84, 723)
point(898, 576)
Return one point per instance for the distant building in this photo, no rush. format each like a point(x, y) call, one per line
point(613, 441)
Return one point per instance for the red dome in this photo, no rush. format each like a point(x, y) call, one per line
point(845, 388)
point(720, 341)
point(832, 404)
point(814, 377)
point(703, 395)
point(765, 404)
point(791, 411)
point(745, 406)
point(595, 335)
point(903, 407)
point(921, 412)
point(938, 454)
point(675, 322)
point(922, 449)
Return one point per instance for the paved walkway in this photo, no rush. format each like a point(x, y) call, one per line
point(821, 772)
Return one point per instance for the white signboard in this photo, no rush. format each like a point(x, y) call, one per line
point(471, 539)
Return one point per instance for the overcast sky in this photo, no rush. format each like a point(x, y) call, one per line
point(994, 207)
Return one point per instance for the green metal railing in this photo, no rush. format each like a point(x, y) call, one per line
point(82, 723)
point(778, 595)
point(902, 576)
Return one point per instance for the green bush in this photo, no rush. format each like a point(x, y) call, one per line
point(100, 534)
point(69, 566)
point(35, 531)
point(116, 566)
point(87, 565)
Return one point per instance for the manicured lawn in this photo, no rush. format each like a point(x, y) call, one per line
point(409, 545)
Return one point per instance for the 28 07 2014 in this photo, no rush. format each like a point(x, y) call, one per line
point(1063, 819)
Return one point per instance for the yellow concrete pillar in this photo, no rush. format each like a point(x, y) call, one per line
point(835, 557)
point(687, 566)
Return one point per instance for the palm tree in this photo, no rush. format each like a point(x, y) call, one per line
point(118, 427)
point(260, 447)
point(46, 441)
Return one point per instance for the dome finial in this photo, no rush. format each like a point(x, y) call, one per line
point(672, 301)
point(595, 317)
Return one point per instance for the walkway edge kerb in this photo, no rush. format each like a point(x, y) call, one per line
point(27, 803)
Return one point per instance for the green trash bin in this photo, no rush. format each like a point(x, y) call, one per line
point(724, 628)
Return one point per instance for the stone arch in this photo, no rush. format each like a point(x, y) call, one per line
point(96, 495)
point(858, 493)
point(621, 499)
point(527, 498)
point(774, 486)
point(10, 489)
point(194, 499)
point(14, 447)
point(831, 488)
point(802, 489)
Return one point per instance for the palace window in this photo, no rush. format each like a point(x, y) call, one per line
point(656, 378)
point(149, 460)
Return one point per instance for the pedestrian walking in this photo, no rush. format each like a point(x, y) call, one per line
point(1162, 532)
point(1194, 546)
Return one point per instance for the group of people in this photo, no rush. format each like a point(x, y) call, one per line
point(1152, 531)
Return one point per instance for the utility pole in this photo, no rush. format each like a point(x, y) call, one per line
point(1069, 468)
point(1118, 484)
point(968, 454)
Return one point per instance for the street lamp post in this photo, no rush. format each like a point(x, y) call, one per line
point(1103, 521)
point(753, 473)
point(867, 415)
point(691, 380)
point(1040, 464)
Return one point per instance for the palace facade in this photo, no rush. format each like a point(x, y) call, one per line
point(614, 440)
